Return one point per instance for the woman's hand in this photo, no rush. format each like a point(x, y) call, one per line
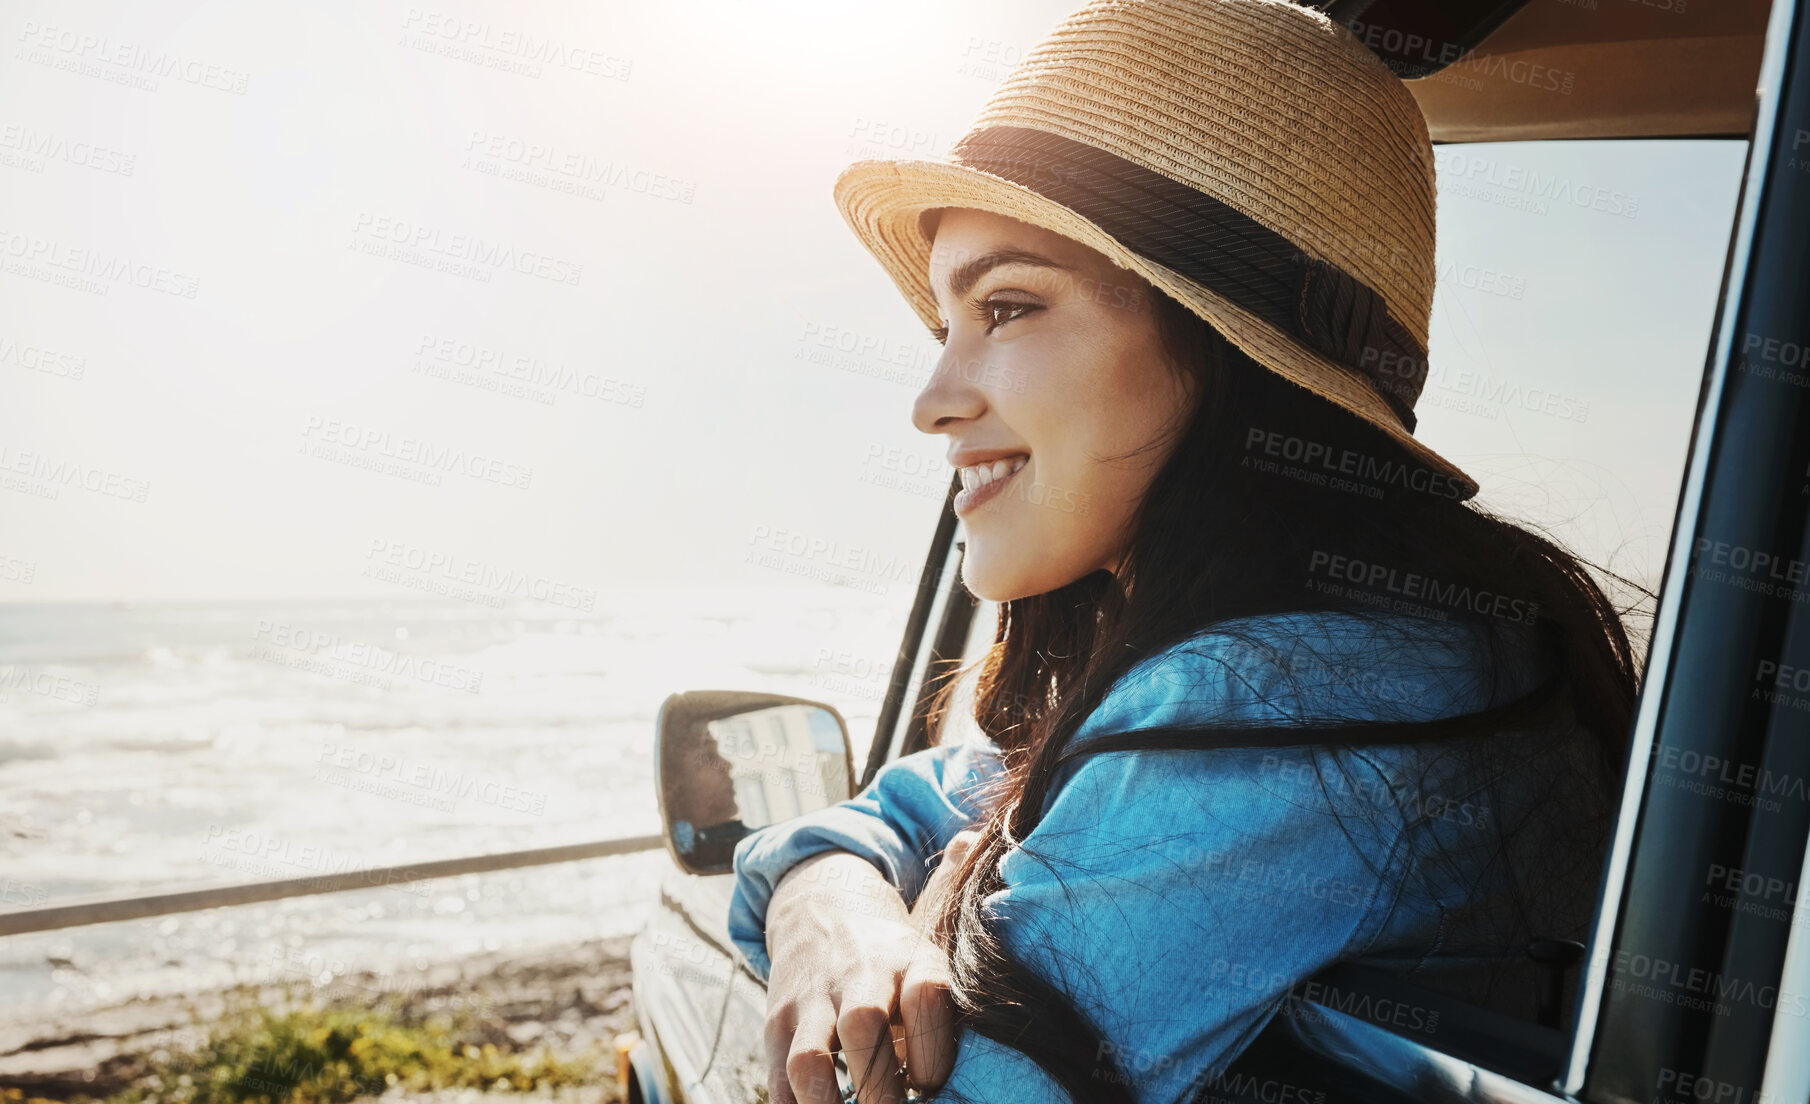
point(847, 956)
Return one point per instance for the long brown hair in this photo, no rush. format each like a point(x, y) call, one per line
point(1219, 537)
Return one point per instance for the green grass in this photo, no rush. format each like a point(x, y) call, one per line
point(332, 1055)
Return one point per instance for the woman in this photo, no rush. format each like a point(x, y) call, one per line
point(1267, 694)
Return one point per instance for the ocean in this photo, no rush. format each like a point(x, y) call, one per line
point(151, 747)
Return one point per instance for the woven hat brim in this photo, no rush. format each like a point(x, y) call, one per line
point(881, 201)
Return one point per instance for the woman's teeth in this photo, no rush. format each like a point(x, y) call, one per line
point(979, 475)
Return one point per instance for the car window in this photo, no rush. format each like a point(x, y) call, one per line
point(1577, 290)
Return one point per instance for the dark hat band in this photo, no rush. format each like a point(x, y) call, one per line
point(1217, 246)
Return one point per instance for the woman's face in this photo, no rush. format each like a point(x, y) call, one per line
point(1055, 394)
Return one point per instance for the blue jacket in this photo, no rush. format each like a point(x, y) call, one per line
point(1177, 896)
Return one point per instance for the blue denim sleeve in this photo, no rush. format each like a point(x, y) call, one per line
point(1177, 897)
point(900, 823)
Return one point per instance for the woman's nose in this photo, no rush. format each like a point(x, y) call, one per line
point(950, 396)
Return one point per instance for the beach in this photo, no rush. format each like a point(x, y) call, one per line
point(573, 1000)
point(150, 748)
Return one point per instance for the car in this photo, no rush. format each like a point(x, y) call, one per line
point(1695, 984)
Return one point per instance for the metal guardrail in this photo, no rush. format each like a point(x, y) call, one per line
point(108, 910)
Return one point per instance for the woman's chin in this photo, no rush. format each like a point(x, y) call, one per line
point(990, 581)
point(993, 581)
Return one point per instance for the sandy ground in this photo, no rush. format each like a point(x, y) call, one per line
point(571, 1000)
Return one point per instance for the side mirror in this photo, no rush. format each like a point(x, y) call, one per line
point(729, 762)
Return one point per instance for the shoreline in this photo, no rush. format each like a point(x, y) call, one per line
point(571, 999)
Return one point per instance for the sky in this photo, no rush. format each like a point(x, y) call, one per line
point(388, 290)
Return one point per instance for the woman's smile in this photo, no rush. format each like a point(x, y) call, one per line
point(981, 482)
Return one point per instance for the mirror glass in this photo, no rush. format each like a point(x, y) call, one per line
point(723, 776)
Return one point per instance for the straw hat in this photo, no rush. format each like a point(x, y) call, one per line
point(1249, 157)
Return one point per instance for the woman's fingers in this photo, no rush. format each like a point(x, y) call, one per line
point(925, 1003)
point(835, 984)
point(928, 1010)
point(864, 1026)
point(778, 1039)
point(942, 879)
point(800, 1069)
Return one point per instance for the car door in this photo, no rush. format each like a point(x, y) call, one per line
point(701, 1007)
point(682, 974)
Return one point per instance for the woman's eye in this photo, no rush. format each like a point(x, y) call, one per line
point(997, 312)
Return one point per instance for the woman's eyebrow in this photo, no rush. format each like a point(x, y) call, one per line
point(963, 279)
